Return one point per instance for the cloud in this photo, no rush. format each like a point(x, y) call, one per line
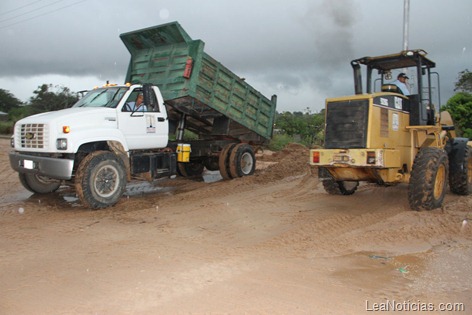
point(300, 50)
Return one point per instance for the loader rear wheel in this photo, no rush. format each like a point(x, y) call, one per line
point(39, 184)
point(334, 187)
point(100, 180)
point(428, 179)
point(242, 161)
point(460, 176)
point(223, 161)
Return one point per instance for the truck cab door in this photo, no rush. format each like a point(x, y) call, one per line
point(146, 127)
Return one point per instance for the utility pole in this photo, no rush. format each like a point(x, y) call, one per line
point(406, 22)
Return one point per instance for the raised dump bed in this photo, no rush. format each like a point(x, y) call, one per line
point(216, 101)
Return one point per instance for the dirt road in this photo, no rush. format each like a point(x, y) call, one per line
point(272, 243)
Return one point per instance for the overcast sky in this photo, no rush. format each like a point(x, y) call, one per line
point(298, 49)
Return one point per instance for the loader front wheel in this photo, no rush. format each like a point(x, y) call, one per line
point(428, 180)
point(460, 176)
point(100, 180)
point(334, 187)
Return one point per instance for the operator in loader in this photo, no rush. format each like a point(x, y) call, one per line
point(401, 83)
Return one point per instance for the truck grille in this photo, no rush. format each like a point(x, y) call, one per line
point(33, 136)
point(346, 124)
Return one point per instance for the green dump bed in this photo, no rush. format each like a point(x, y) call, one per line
point(215, 100)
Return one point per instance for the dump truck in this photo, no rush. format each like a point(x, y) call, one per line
point(102, 142)
point(379, 135)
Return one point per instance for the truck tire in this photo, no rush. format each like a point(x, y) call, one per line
point(39, 184)
point(223, 161)
point(190, 169)
point(242, 161)
point(100, 179)
point(460, 173)
point(334, 187)
point(428, 179)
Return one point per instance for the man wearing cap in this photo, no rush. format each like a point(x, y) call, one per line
point(401, 83)
point(138, 105)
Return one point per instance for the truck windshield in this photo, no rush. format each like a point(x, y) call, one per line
point(104, 97)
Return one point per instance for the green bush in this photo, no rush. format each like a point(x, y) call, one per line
point(6, 127)
point(279, 141)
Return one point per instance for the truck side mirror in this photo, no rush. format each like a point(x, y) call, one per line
point(149, 97)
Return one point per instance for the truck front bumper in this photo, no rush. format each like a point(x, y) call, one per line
point(46, 166)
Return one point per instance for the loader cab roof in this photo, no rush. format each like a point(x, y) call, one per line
point(403, 59)
point(382, 68)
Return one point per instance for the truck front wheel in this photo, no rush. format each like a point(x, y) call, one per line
point(428, 179)
point(39, 184)
point(100, 180)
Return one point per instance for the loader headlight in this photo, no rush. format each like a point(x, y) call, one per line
point(61, 144)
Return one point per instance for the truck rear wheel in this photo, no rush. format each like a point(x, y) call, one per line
point(223, 160)
point(428, 179)
point(460, 174)
point(39, 184)
point(242, 161)
point(334, 187)
point(100, 180)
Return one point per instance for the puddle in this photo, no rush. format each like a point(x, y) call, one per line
point(67, 194)
point(139, 188)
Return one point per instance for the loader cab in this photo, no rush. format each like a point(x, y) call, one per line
point(380, 73)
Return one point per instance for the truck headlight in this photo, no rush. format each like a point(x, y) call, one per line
point(12, 141)
point(61, 144)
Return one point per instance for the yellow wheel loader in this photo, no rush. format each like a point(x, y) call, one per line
point(380, 135)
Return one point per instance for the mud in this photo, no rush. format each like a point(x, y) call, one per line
point(272, 243)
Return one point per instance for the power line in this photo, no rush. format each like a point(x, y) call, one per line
point(28, 12)
point(19, 8)
point(43, 14)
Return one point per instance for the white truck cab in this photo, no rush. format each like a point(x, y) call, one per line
point(47, 146)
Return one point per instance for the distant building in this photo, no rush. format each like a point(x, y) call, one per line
point(3, 116)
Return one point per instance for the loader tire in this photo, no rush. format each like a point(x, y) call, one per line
point(39, 184)
point(223, 161)
point(242, 161)
point(100, 180)
point(428, 180)
point(334, 187)
point(460, 175)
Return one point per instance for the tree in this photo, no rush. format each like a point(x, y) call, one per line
point(460, 108)
point(307, 128)
point(464, 83)
point(8, 101)
point(48, 98)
